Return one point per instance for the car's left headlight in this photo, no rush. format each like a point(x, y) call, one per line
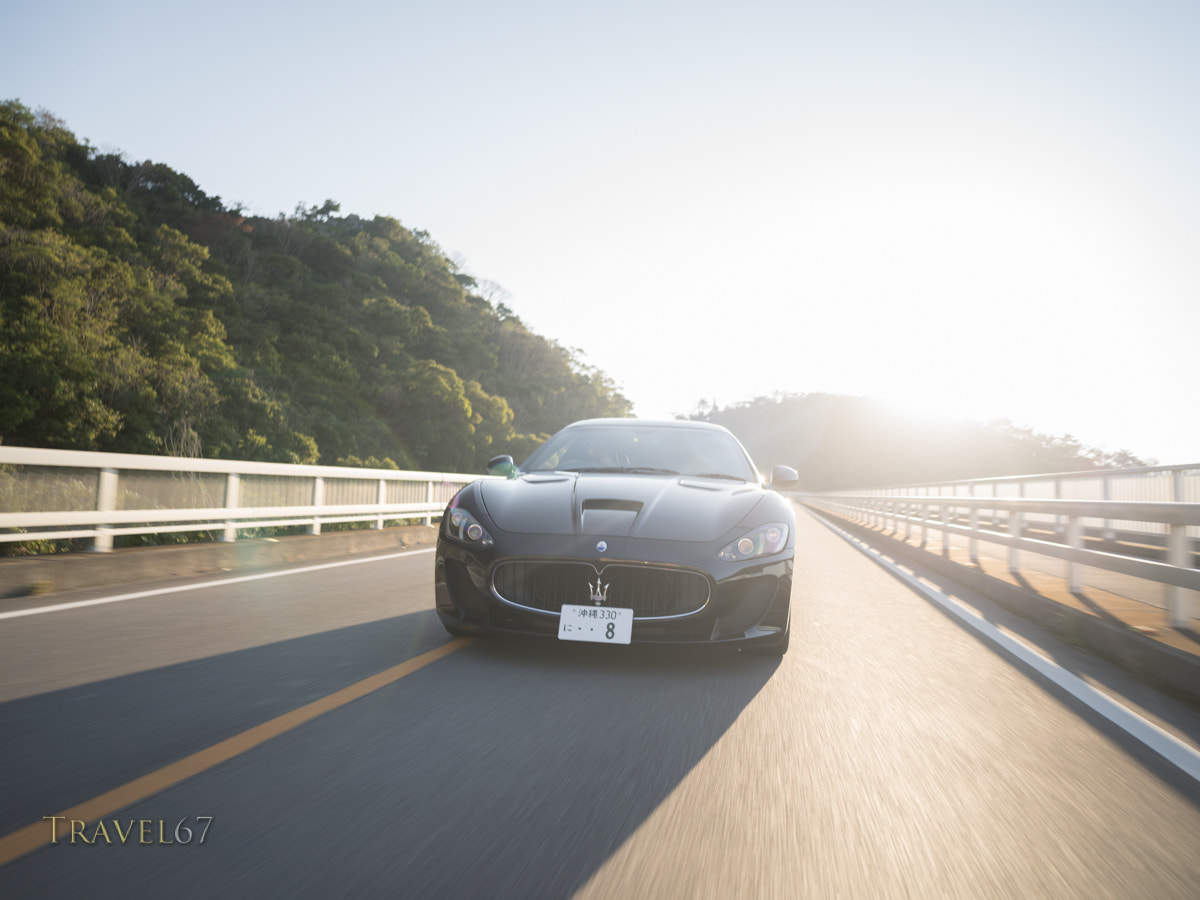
point(762, 541)
point(462, 525)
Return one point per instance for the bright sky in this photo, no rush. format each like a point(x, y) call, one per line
point(974, 209)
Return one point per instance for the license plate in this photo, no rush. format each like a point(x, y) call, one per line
point(601, 624)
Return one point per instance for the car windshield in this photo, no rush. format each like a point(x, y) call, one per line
point(643, 449)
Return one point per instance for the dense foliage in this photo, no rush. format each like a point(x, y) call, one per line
point(139, 315)
point(837, 442)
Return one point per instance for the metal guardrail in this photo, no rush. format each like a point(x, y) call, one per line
point(55, 494)
point(1173, 484)
point(1050, 527)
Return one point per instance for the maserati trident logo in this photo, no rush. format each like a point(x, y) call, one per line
point(598, 594)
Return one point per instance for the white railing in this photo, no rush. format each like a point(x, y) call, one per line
point(1131, 532)
point(1174, 484)
point(55, 494)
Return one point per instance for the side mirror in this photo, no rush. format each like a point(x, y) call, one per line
point(502, 465)
point(784, 475)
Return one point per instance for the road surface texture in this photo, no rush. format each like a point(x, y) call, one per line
point(891, 753)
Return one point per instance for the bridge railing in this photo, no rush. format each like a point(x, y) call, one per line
point(1174, 484)
point(1153, 539)
point(56, 494)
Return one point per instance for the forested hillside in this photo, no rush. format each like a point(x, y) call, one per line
point(138, 314)
point(837, 442)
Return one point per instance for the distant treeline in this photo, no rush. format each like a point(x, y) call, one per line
point(138, 314)
point(838, 442)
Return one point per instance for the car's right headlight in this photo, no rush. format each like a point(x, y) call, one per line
point(762, 541)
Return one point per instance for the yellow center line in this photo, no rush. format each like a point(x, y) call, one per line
point(39, 834)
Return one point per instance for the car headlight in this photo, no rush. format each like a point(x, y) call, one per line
point(762, 541)
point(462, 525)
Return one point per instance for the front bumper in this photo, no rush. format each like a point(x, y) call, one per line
point(746, 603)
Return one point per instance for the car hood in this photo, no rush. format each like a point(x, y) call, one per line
point(676, 508)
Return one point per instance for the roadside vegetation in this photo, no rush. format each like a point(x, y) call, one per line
point(138, 314)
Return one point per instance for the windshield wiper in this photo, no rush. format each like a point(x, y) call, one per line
point(720, 475)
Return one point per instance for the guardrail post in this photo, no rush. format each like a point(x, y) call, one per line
point(381, 498)
point(924, 524)
point(1110, 533)
point(106, 501)
point(1016, 525)
point(1178, 598)
point(1180, 602)
point(1075, 542)
point(428, 520)
point(947, 515)
point(972, 523)
point(233, 489)
point(318, 499)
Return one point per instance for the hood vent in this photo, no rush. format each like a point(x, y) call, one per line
point(633, 506)
point(609, 517)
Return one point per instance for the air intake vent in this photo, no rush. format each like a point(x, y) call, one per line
point(623, 505)
point(652, 592)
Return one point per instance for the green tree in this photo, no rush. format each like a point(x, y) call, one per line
point(137, 313)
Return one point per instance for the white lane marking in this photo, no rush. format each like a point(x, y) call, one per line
point(1166, 745)
point(138, 595)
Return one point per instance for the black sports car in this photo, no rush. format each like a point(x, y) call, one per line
point(620, 530)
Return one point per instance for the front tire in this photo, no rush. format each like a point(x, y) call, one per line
point(453, 627)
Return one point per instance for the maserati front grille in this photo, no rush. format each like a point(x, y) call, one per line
point(652, 592)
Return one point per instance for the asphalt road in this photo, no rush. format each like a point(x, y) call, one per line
point(890, 754)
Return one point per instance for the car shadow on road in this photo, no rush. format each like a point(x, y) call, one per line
point(510, 768)
point(540, 759)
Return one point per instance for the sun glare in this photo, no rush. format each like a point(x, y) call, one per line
point(956, 266)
